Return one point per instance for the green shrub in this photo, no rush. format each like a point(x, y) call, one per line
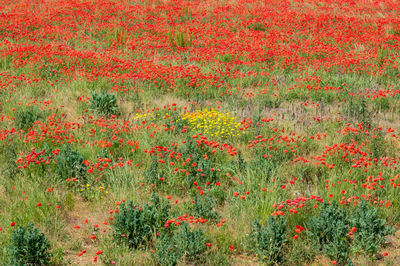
point(371, 230)
point(191, 243)
point(104, 103)
point(24, 119)
point(203, 206)
point(269, 241)
point(183, 243)
point(166, 252)
point(70, 163)
point(29, 246)
point(328, 232)
point(135, 226)
point(300, 254)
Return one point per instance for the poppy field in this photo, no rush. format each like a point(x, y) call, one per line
point(188, 132)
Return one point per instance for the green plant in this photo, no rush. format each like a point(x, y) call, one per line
point(104, 103)
point(192, 243)
point(136, 225)
point(203, 206)
point(300, 254)
point(183, 243)
point(24, 119)
point(29, 246)
point(328, 232)
point(166, 252)
point(269, 241)
point(371, 230)
point(70, 163)
point(58, 256)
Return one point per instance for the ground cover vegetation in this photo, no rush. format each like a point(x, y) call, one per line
point(212, 132)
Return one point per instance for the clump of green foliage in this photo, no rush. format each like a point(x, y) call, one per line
point(371, 230)
point(29, 246)
point(328, 232)
point(203, 206)
point(269, 241)
point(183, 243)
point(135, 226)
point(25, 119)
point(70, 163)
point(104, 103)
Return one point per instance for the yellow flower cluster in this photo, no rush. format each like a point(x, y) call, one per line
point(94, 191)
point(154, 115)
point(139, 115)
point(213, 123)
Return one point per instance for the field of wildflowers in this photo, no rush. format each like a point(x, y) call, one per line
point(199, 132)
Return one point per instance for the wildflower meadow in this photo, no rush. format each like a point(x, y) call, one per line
point(199, 132)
